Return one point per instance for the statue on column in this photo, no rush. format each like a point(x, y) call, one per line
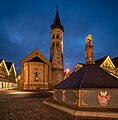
point(89, 50)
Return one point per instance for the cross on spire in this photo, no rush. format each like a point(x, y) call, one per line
point(57, 6)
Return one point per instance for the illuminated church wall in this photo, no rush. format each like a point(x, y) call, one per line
point(36, 75)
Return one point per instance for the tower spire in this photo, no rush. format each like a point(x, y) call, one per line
point(56, 50)
point(57, 22)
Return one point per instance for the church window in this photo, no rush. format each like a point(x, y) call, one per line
point(57, 36)
point(36, 74)
point(36, 68)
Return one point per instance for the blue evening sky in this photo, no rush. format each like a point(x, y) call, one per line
point(25, 24)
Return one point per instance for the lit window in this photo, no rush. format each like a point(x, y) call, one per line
point(36, 79)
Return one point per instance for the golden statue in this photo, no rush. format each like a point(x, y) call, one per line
point(89, 49)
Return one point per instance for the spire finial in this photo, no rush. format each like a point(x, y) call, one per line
point(36, 46)
point(57, 6)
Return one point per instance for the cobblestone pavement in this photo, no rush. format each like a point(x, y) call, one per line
point(24, 105)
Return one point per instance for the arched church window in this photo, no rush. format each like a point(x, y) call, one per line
point(36, 74)
point(57, 36)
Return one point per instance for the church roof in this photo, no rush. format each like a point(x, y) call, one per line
point(100, 61)
point(36, 56)
point(57, 22)
point(36, 59)
point(115, 61)
point(89, 76)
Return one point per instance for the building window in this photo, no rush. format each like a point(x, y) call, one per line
point(57, 44)
point(53, 36)
point(53, 44)
point(57, 36)
point(36, 74)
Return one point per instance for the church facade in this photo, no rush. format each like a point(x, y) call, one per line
point(39, 73)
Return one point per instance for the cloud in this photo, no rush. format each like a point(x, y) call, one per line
point(9, 51)
point(25, 24)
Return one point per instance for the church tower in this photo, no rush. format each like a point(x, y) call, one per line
point(56, 50)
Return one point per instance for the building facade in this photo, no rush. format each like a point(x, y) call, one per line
point(107, 64)
point(110, 65)
point(39, 73)
point(115, 62)
point(7, 75)
point(36, 71)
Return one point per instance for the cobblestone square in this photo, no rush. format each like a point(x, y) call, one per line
point(24, 105)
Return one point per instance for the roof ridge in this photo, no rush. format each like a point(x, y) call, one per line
point(114, 57)
point(84, 76)
point(101, 58)
point(40, 54)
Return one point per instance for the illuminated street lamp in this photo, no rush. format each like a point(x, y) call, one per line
point(67, 70)
point(67, 73)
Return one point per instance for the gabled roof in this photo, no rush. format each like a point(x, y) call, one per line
point(57, 22)
point(36, 59)
point(115, 61)
point(78, 66)
point(89, 76)
point(8, 64)
point(5, 66)
point(36, 56)
point(100, 61)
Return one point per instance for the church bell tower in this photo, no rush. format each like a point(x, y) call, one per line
point(56, 50)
